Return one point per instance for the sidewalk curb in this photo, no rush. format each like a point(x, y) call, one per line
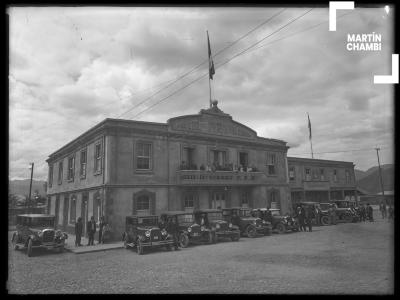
point(90, 250)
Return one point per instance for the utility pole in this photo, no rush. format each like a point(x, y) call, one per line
point(380, 172)
point(30, 189)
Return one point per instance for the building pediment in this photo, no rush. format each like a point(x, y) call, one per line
point(211, 121)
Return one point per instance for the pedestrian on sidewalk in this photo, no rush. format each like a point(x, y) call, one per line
point(332, 213)
point(384, 211)
point(309, 211)
point(363, 212)
point(172, 229)
point(78, 232)
point(91, 225)
point(101, 226)
point(370, 212)
point(391, 212)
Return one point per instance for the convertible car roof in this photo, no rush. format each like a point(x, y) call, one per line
point(175, 212)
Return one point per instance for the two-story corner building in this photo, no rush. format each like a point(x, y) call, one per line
point(320, 180)
point(124, 167)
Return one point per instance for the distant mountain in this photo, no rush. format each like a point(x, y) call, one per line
point(21, 187)
point(370, 180)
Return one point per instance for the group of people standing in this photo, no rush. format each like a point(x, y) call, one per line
point(304, 216)
point(91, 230)
point(384, 211)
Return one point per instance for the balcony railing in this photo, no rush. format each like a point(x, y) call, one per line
point(197, 177)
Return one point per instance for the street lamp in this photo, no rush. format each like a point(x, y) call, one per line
point(30, 187)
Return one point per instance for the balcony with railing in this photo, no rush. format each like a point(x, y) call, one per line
point(202, 177)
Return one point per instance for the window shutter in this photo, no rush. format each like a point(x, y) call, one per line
point(152, 205)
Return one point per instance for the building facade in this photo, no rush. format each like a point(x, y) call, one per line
point(321, 180)
point(124, 167)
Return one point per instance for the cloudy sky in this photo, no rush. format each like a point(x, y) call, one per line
point(70, 68)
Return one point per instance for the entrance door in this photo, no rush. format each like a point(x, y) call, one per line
point(84, 212)
point(218, 200)
point(57, 210)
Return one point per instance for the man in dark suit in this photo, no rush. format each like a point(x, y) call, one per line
point(172, 229)
point(370, 212)
point(91, 227)
point(78, 232)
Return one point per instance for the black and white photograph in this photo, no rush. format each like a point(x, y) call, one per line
point(201, 149)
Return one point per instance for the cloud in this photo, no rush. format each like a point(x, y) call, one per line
point(72, 67)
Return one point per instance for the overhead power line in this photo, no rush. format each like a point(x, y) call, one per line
point(202, 63)
point(340, 151)
point(224, 63)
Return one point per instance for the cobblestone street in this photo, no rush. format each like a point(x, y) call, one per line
point(347, 258)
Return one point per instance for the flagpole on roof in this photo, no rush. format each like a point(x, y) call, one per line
point(211, 70)
point(310, 135)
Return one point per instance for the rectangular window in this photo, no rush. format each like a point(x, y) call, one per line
point(189, 201)
point(308, 174)
point(291, 173)
point(71, 168)
point(97, 158)
point(72, 211)
point(188, 159)
point(244, 199)
point(243, 159)
point(143, 157)
point(50, 175)
point(82, 171)
point(60, 172)
point(322, 174)
point(271, 161)
point(347, 174)
point(219, 158)
point(335, 175)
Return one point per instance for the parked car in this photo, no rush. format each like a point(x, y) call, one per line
point(143, 232)
point(324, 218)
point(249, 226)
point(38, 231)
point(345, 211)
point(280, 223)
point(213, 220)
point(189, 230)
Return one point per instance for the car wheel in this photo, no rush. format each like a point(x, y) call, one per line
point(281, 228)
point(29, 250)
point(183, 240)
point(325, 220)
point(251, 231)
point(14, 241)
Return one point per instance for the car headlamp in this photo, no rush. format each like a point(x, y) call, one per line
point(230, 225)
point(217, 226)
point(264, 222)
point(40, 233)
point(147, 233)
point(58, 233)
point(202, 228)
point(190, 229)
point(164, 232)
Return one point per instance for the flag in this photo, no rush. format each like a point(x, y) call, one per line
point(211, 69)
point(309, 126)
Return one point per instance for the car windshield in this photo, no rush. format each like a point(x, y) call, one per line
point(212, 216)
point(186, 219)
point(342, 204)
point(244, 213)
point(149, 221)
point(36, 222)
point(324, 206)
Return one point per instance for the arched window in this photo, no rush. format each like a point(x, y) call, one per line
point(144, 203)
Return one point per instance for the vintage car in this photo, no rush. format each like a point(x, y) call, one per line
point(249, 226)
point(280, 223)
point(345, 211)
point(38, 231)
point(143, 232)
point(189, 230)
point(324, 216)
point(213, 220)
